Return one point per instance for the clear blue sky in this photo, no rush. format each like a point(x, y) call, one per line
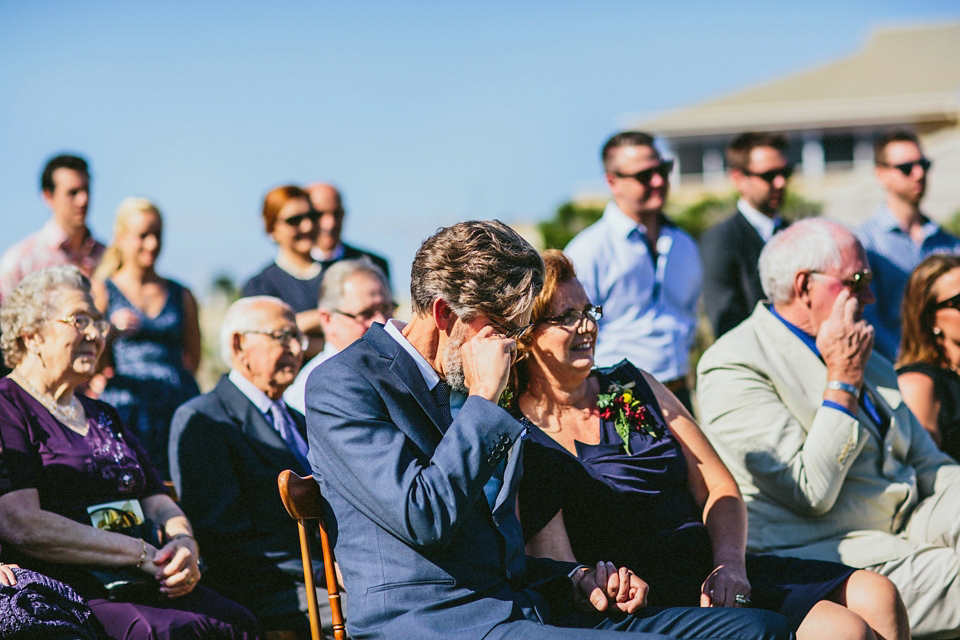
point(425, 113)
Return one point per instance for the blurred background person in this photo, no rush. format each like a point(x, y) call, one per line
point(155, 351)
point(929, 355)
point(328, 202)
point(67, 456)
point(353, 295)
point(294, 275)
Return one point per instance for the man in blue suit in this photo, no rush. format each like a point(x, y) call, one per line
point(421, 482)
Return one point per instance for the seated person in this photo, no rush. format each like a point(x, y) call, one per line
point(831, 462)
point(421, 483)
point(353, 295)
point(227, 448)
point(929, 354)
point(68, 457)
point(615, 445)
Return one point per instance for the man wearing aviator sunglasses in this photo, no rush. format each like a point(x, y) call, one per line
point(730, 250)
point(640, 267)
point(899, 236)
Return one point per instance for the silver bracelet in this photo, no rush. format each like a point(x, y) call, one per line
point(836, 385)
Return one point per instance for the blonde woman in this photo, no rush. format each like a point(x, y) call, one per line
point(155, 343)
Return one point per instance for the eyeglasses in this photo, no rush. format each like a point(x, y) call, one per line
point(295, 221)
point(81, 322)
point(770, 176)
point(906, 168)
point(644, 177)
point(385, 310)
point(336, 213)
point(516, 333)
point(858, 283)
point(953, 303)
point(284, 336)
point(573, 318)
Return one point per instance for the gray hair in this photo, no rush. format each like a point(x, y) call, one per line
point(331, 286)
point(477, 268)
point(812, 244)
point(244, 314)
point(30, 304)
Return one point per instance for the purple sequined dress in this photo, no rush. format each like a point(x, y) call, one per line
point(71, 472)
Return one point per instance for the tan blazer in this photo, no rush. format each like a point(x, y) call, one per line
point(818, 483)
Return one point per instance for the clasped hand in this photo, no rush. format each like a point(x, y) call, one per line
point(722, 587)
point(175, 567)
point(607, 586)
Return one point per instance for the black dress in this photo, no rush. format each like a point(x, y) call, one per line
point(635, 509)
point(946, 388)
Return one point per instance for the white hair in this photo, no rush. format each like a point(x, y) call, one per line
point(331, 285)
point(812, 244)
point(245, 314)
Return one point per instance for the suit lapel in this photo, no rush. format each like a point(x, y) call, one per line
point(254, 427)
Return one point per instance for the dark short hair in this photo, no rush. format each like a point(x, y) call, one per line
point(625, 139)
point(63, 161)
point(881, 142)
point(480, 267)
point(277, 199)
point(738, 151)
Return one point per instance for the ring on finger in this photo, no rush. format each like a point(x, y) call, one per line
point(741, 599)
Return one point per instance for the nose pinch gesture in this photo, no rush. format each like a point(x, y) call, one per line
point(486, 359)
point(845, 341)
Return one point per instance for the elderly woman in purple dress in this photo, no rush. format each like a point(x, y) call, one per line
point(73, 470)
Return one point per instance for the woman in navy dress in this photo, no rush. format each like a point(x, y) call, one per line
point(65, 456)
point(155, 349)
point(615, 459)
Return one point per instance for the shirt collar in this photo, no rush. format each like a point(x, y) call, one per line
point(806, 338)
point(430, 376)
point(53, 236)
point(761, 222)
point(888, 222)
point(254, 395)
point(321, 256)
point(625, 226)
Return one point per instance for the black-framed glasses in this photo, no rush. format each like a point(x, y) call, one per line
point(81, 322)
point(285, 337)
point(297, 220)
point(857, 283)
point(573, 318)
point(644, 177)
point(516, 333)
point(906, 168)
point(770, 176)
point(952, 303)
point(385, 310)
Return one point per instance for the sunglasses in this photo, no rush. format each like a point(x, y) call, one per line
point(857, 284)
point(770, 176)
point(295, 221)
point(644, 177)
point(953, 303)
point(906, 168)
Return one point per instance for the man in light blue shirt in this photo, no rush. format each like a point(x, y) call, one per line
point(898, 237)
point(643, 270)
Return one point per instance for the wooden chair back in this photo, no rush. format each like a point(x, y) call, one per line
point(302, 499)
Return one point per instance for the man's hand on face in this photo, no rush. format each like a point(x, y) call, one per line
point(607, 587)
point(844, 341)
point(486, 363)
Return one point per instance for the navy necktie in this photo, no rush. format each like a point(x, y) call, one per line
point(441, 393)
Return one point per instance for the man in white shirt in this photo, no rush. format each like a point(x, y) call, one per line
point(731, 279)
point(641, 268)
point(353, 295)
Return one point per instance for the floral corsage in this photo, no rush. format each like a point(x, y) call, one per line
point(628, 413)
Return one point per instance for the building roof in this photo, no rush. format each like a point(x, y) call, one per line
point(902, 75)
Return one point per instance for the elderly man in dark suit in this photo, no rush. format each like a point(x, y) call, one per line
point(419, 466)
point(227, 448)
point(729, 251)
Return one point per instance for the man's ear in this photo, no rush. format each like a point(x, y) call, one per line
point(324, 316)
point(236, 343)
point(443, 315)
point(801, 286)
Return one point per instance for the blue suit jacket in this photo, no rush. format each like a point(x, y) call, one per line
point(421, 551)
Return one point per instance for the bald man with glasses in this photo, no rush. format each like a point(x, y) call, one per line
point(640, 267)
point(899, 236)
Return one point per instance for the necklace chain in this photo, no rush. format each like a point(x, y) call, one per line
point(70, 413)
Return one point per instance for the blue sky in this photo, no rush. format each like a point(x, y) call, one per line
point(425, 113)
